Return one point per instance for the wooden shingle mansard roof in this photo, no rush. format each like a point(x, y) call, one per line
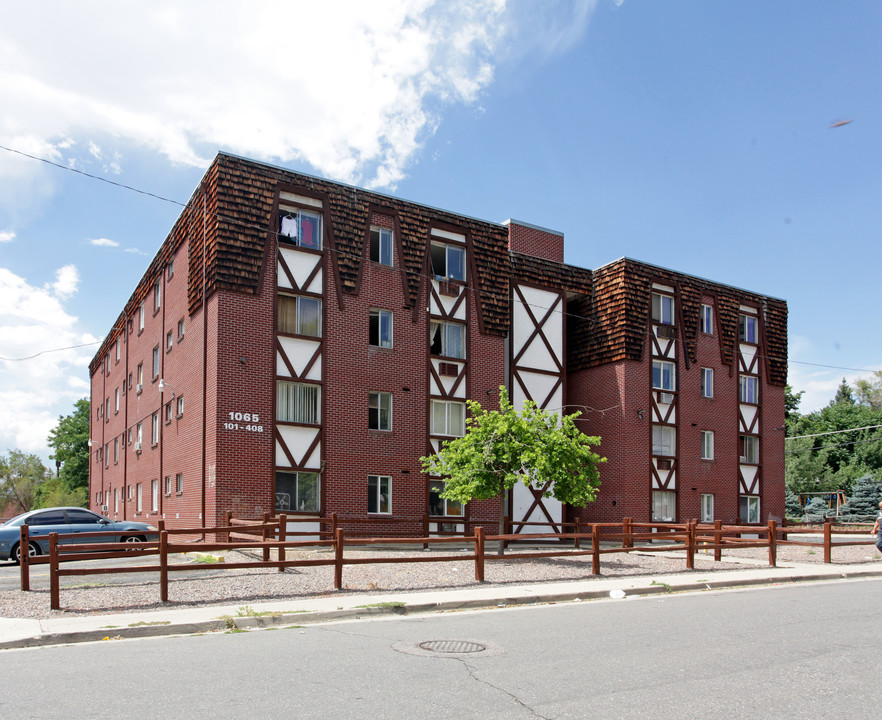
point(230, 220)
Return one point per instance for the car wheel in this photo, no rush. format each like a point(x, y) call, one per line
point(134, 539)
point(33, 550)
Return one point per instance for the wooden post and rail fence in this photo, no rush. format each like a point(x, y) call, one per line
point(275, 533)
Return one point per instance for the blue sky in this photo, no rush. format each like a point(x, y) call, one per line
point(692, 135)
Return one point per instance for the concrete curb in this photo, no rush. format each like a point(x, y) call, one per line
point(158, 627)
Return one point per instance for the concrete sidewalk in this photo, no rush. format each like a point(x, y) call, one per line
point(21, 633)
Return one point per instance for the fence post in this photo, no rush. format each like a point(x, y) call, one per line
point(690, 545)
point(425, 529)
point(333, 525)
point(506, 527)
point(338, 559)
point(783, 525)
point(283, 536)
point(577, 540)
point(24, 554)
point(54, 600)
point(229, 523)
point(627, 533)
point(595, 551)
point(479, 553)
point(163, 565)
point(773, 543)
point(828, 540)
point(718, 540)
point(264, 536)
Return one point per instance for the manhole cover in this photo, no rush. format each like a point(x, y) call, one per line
point(452, 646)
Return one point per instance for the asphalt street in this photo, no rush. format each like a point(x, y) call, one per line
point(793, 651)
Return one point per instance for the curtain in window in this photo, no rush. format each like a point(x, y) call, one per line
point(297, 402)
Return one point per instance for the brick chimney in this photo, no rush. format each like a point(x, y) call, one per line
point(535, 241)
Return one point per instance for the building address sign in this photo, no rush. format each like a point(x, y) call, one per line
point(244, 421)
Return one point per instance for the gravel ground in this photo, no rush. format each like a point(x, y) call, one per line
point(100, 595)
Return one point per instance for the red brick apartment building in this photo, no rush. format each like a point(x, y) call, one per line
point(297, 344)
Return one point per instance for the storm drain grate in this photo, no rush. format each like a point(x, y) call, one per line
point(459, 647)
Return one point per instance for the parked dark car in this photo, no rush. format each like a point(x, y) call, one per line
point(64, 520)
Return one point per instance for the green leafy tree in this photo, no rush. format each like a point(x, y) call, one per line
point(70, 441)
point(504, 447)
point(869, 392)
point(863, 504)
point(20, 477)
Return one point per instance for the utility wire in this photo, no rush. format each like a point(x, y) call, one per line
point(833, 432)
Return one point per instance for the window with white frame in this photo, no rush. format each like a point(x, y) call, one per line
point(116, 400)
point(380, 411)
point(663, 309)
point(448, 261)
point(301, 228)
point(139, 498)
point(664, 440)
point(139, 436)
point(154, 496)
point(749, 389)
point(156, 362)
point(171, 268)
point(169, 340)
point(380, 328)
point(749, 449)
point(706, 324)
point(447, 339)
point(379, 494)
point(707, 444)
point(749, 508)
point(106, 409)
point(298, 402)
point(168, 412)
point(180, 405)
point(439, 506)
point(141, 317)
point(664, 506)
point(167, 485)
point(117, 350)
point(180, 329)
point(299, 315)
point(116, 501)
point(115, 450)
point(448, 418)
point(747, 328)
point(154, 435)
point(707, 508)
point(157, 296)
point(298, 491)
point(179, 483)
point(140, 376)
point(381, 245)
point(707, 382)
point(664, 375)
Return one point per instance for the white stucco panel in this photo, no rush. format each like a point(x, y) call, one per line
point(748, 476)
point(540, 387)
point(522, 499)
point(537, 354)
point(298, 440)
point(301, 264)
point(748, 413)
point(299, 352)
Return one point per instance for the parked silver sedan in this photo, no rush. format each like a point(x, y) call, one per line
point(64, 520)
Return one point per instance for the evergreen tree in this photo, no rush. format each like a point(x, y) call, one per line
point(816, 509)
point(864, 501)
point(844, 394)
point(792, 507)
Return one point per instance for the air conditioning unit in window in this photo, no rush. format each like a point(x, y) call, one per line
point(139, 387)
point(104, 508)
point(665, 398)
point(664, 464)
point(137, 446)
point(448, 369)
point(665, 331)
point(448, 288)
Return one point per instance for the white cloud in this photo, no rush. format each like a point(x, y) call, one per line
point(103, 242)
point(7, 236)
point(38, 379)
point(819, 384)
point(353, 88)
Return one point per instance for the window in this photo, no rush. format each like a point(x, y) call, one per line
point(663, 375)
point(117, 351)
point(380, 328)
point(116, 501)
point(749, 389)
point(664, 439)
point(139, 499)
point(154, 495)
point(448, 418)
point(301, 228)
point(299, 316)
point(156, 362)
point(299, 491)
point(380, 411)
point(157, 296)
point(663, 309)
point(140, 376)
point(139, 436)
point(748, 509)
point(154, 437)
point(115, 450)
point(664, 505)
point(747, 328)
point(447, 339)
point(381, 245)
point(116, 400)
point(707, 508)
point(379, 498)
point(707, 320)
point(180, 406)
point(440, 507)
point(180, 329)
point(168, 412)
point(707, 445)
point(171, 268)
point(179, 483)
point(298, 402)
point(141, 317)
point(167, 485)
point(169, 340)
point(749, 449)
point(448, 261)
point(106, 409)
point(707, 382)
